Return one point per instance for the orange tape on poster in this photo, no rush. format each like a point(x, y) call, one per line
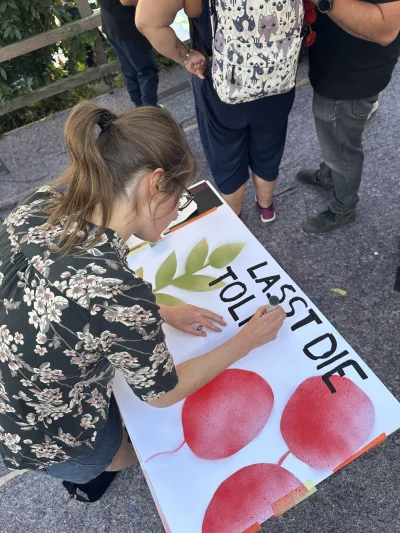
point(193, 220)
point(253, 529)
point(293, 498)
point(369, 446)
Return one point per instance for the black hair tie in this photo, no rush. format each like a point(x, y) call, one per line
point(106, 119)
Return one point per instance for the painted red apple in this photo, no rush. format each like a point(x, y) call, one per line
point(247, 497)
point(323, 429)
point(225, 415)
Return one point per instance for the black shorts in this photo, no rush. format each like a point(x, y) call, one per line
point(240, 137)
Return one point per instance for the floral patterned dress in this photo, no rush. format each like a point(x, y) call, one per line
point(66, 324)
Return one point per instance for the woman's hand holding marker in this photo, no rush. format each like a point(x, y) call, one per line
point(263, 327)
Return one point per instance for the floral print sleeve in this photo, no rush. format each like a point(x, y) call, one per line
point(66, 324)
point(136, 345)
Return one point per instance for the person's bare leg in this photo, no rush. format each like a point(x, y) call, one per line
point(264, 190)
point(235, 200)
point(125, 456)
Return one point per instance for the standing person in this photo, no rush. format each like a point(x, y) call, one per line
point(351, 62)
point(243, 115)
point(73, 11)
point(133, 50)
point(72, 312)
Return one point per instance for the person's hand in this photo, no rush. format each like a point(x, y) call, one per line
point(184, 316)
point(262, 328)
point(197, 64)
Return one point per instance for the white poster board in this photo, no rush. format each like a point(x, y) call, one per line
point(234, 469)
point(181, 26)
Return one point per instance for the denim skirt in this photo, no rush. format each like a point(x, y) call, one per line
point(87, 467)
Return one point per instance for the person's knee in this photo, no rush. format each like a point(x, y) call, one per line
point(125, 455)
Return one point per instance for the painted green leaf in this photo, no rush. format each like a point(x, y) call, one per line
point(166, 272)
point(167, 299)
point(139, 272)
point(196, 283)
point(224, 255)
point(197, 257)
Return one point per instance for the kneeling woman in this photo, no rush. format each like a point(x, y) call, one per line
point(71, 310)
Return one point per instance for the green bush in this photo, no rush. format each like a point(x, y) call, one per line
point(20, 19)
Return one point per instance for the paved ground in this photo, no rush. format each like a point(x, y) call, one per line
point(362, 259)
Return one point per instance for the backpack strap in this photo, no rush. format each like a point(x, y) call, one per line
point(213, 7)
point(214, 17)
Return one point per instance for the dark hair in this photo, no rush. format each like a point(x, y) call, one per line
point(103, 166)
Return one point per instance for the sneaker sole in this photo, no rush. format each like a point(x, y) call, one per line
point(266, 220)
point(374, 109)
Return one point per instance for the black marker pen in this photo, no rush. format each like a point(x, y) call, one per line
point(273, 303)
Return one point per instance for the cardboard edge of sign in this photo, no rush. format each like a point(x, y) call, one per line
point(253, 529)
point(366, 448)
point(184, 224)
point(155, 499)
point(299, 494)
point(294, 497)
point(140, 245)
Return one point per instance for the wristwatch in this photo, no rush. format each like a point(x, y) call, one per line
point(325, 6)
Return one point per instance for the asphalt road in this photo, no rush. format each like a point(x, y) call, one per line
point(361, 259)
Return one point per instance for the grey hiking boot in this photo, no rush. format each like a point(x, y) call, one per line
point(327, 221)
point(312, 177)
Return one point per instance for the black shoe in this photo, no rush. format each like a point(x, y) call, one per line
point(137, 103)
point(91, 491)
point(327, 221)
point(311, 177)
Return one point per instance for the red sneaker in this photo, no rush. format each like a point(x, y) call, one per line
point(267, 213)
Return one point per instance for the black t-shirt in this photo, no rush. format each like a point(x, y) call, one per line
point(118, 21)
point(343, 67)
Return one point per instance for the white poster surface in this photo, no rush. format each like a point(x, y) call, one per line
point(275, 424)
point(181, 26)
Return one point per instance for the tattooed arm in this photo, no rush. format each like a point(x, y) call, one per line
point(153, 19)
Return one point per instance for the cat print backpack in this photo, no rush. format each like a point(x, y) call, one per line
point(256, 47)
